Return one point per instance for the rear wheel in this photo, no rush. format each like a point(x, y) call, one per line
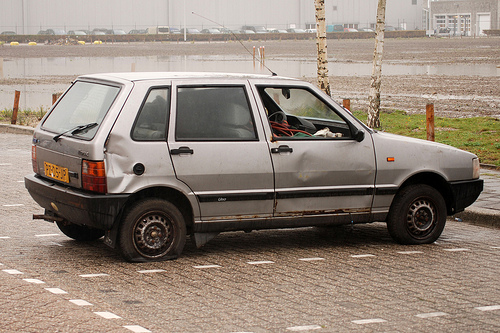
point(152, 230)
point(80, 232)
point(417, 215)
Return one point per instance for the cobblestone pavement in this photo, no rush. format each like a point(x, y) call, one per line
point(310, 279)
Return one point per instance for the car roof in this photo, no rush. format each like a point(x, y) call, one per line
point(142, 76)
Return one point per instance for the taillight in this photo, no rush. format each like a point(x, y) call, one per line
point(33, 159)
point(94, 176)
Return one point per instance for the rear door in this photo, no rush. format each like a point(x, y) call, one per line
point(218, 149)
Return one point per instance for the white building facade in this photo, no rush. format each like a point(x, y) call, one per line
point(464, 17)
point(31, 16)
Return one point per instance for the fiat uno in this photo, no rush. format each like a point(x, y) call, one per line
point(146, 159)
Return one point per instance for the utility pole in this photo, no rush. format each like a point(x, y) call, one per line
point(376, 80)
point(323, 81)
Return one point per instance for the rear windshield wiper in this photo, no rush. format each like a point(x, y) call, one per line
point(75, 130)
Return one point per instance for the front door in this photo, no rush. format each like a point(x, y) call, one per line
point(320, 168)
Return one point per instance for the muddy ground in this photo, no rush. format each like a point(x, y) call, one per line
point(452, 95)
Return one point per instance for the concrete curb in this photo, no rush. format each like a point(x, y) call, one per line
point(16, 129)
point(480, 216)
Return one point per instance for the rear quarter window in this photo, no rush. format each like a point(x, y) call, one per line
point(84, 103)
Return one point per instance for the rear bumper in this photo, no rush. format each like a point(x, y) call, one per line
point(78, 207)
point(465, 193)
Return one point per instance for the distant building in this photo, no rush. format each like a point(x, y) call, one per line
point(464, 17)
point(31, 16)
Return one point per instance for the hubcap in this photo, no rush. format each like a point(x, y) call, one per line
point(153, 235)
point(421, 218)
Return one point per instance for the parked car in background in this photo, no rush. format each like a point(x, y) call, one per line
point(146, 159)
point(137, 32)
point(258, 29)
point(161, 29)
point(296, 30)
point(350, 30)
point(211, 31)
point(366, 29)
point(77, 32)
point(191, 31)
point(7, 33)
point(117, 32)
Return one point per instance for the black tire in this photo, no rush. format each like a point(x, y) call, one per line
point(152, 230)
point(80, 232)
point(417, 215)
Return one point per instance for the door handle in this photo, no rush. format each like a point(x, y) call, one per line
point(181, 150)
point(282, 149)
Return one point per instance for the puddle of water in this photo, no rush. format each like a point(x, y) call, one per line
point(36, 95)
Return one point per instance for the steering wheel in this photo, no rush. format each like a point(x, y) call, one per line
point(277, 116)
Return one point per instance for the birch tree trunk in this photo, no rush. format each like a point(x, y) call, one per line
point(376, 80)
point(323, 81)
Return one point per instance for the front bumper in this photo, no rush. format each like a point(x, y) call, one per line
point(465, 193)
point(75, 206)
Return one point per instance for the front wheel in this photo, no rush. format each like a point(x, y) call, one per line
point(417, 215)
point(152, 230)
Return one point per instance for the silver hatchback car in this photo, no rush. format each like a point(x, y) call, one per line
point(145, 159)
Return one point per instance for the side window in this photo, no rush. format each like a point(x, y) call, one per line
point(295, 113)
point(151, 122)
point(213, 114)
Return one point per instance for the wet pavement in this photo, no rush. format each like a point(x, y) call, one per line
point(323, 280)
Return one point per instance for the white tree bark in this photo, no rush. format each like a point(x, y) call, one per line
point(323, 80)
point(376, 80)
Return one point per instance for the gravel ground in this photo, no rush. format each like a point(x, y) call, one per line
point(452, 95)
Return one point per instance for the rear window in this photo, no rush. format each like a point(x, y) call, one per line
point(84, 104)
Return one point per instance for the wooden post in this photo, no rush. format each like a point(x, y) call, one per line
point(55, 97)
point(347, 104)
point(429, 110)
point(17, 94)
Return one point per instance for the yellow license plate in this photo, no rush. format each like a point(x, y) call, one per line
point(56, 172)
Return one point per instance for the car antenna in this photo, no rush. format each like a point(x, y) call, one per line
point(239, 41)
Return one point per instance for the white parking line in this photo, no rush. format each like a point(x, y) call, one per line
point(362, 255)
point(5, 164)
point(304, 328)
point(207, 266)
point(457, 250)
point(151, 271)
point(488, 308)
point(12, 271)
point(14, 205)
point(36, 281)
point(80, 302)
point(369, 321)
point(431, 314)
point(93, 275)
point(260, 262)
point(410, 252)
point(47, 235)
point(107, 315)
point(311, 259)
point(136, 328)
point(56, 290)
point(4, 237)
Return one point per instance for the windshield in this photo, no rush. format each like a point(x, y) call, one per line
point(84, 103)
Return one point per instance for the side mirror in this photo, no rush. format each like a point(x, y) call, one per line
point(358, 135)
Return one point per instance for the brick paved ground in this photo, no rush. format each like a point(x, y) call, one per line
point(324, 280)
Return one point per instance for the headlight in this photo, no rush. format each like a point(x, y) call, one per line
point(475, 168)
